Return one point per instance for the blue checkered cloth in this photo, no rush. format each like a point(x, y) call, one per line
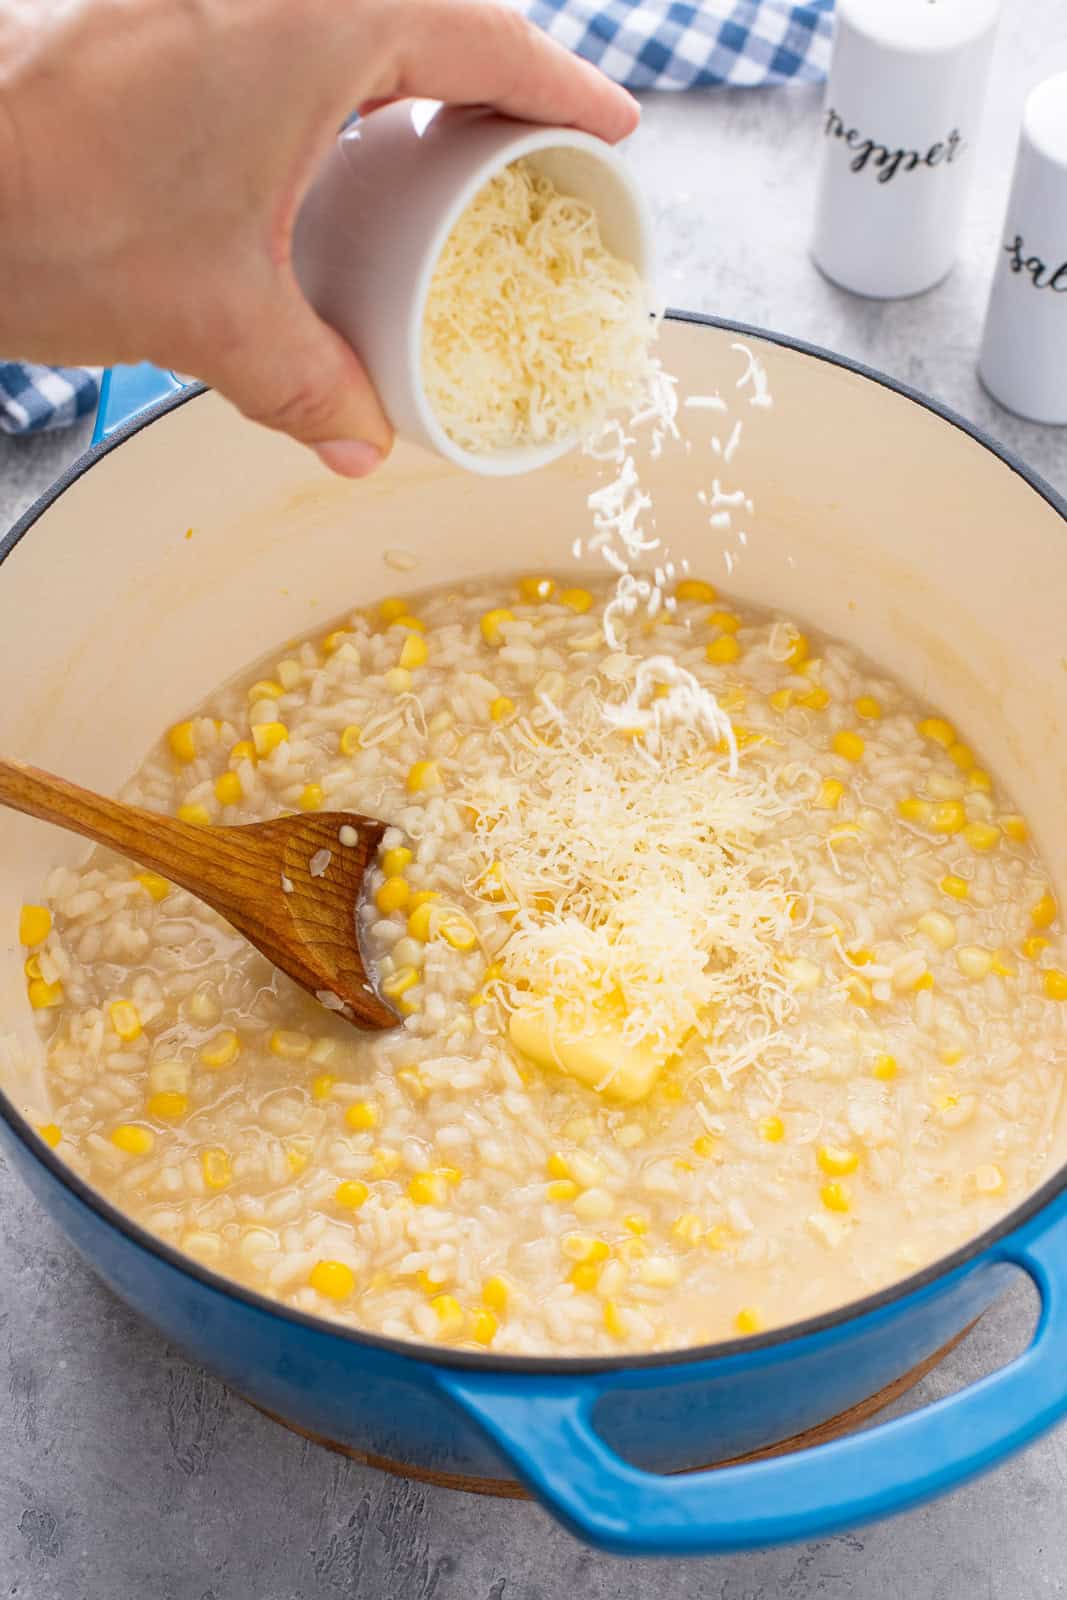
point(644, 44)
point(694, 44)
point(33, 398)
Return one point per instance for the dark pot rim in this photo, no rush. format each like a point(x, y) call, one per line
point(538, 1366)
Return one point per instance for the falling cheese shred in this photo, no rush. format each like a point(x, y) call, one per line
point(533, 331)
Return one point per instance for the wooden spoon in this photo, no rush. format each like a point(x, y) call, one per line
point(290, 886)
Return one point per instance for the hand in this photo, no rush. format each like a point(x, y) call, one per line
point(154, 154)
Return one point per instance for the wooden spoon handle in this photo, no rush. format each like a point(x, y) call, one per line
point(181, 851)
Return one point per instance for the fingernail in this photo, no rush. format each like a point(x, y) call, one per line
point(352, 458)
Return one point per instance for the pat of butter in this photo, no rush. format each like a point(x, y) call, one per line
point(627, 1072)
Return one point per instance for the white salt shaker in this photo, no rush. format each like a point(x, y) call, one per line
point(903, 102)
point(1023, 361)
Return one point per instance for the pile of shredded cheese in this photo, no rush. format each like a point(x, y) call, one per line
point(645, 887)
point(533, 332)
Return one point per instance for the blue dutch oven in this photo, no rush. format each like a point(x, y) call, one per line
point(187, 542)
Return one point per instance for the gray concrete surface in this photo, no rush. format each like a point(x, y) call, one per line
point(128, 1474)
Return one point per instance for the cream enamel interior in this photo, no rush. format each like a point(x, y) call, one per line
point(874, 520)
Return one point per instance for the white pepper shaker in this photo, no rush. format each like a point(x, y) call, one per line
point(903, 100)
point(1023, 361)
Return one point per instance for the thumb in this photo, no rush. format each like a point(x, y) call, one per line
point(290, 371)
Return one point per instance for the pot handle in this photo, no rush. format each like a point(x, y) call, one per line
point(124, 391)
point(545, 1428)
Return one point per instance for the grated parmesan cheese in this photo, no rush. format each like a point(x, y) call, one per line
point(533, 332)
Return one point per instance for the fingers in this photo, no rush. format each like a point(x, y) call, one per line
point(286, 369)
point(480, 52)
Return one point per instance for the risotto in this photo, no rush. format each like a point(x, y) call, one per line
point(715, 1013)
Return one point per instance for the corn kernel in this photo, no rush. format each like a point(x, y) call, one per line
point(181, 741)
point(195, 813)
point(332, 1279)
point(868, 708)
point(386, 1162)
point(748, 1320)
point(635, 1224)
point(614, 1321)
point(940, 731)
point(948, 816)
point(585, 1276)
point(961, 756)
point(536, 590)
point(719, 1237)
point(704, 1146)
point(688, 1228)
point(483, 1325)
point(228, 790)
point(44, 996)
point(915, 810)
point(772, 1129)
point(289, 1046)
point(562, 1189)
point(725, 621)
point(584, 1247)
point(397, 680)
point(1033, 945)
point(836, 1161)
point(495, 1293)
point(721, 651)
point(977, 779)
point(1055, 983)
point(458, 932)
point(696, 589)
point(799, 650)
point(399, 982)
point(957, 888)
point(780, 700)
point(974, 961)
point(885, 1068)
point(939, 929)
point(421, 922)
point(311, 797)
point(428, 1189)
point(133, 1140)
point(576, 599)
point(392, 895)
point(424, 897)
point(829, 795)
point(835, 1197)
point(125, 1019)
point(351, 739)
point(859, 990)
point(50, 1134)
point(423, 775)
point(167, 1106)
point(1045, 912)
point(449, 1313)
point(1002, 967)
point(267, 736)
point(816, 699)
point(362, 1115)
point(32, 966)
point(215, 1166)
point(414, 652)
point(491, 624)
point(322, 1086)
point(391, 608)
point(333, 641)
point(558, 1166)
point(951, 1057)
point(395, 861)
point(243, 750)
point(35, 924)
point(988, 1179)
point(265, 689)
point(222, 1050)
point(501, 707)
point(351, 1194)
point(848, 744)
point(981, 836)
